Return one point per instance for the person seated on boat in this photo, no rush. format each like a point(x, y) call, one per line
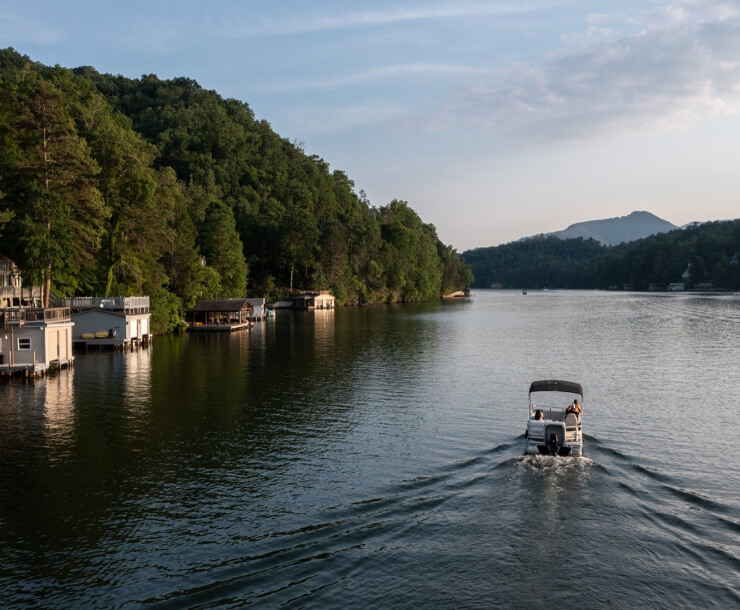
point(574, 408)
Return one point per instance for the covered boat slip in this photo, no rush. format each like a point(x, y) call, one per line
point(221, 315)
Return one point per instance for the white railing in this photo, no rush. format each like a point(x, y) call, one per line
point(29, 315)
point(127, 304)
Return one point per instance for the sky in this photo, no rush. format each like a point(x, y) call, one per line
point(493, 119)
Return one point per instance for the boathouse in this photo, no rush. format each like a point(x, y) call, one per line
point(34, 340)
point(258, 308)
point(221, 315)
point(314, 300)
point(117, 322)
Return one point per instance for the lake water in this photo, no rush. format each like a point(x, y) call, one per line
point(372, 458)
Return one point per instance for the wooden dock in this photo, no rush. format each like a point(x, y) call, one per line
point(220, 327)
point(113, 343)
point(37, 369)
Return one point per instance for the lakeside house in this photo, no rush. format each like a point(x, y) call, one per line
point(116, 322)
point(308, 300)
point(221, 315)
point(12, 291)
point(314, 300)
point(34, 340)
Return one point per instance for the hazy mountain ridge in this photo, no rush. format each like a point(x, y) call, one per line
point(614, 231)
point(709, 250)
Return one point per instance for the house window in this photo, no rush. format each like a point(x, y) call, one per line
point(24, 343)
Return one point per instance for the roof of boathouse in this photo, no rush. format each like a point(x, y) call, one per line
point(222, 305)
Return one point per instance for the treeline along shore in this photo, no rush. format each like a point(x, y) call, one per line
point(112, 186)
point(699, 257)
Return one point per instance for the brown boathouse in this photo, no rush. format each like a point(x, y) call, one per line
point(222, 314)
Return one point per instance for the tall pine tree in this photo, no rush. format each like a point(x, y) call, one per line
point(49, 179)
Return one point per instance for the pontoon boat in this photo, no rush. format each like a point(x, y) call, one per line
point(554, 423)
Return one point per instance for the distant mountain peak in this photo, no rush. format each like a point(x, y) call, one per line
point(614, 231)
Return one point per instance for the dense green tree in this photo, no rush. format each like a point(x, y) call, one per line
point(181, 257)
point(410, 254)
point(136, 229)
point(5, 216)
point(49, 176)
point(222, 249)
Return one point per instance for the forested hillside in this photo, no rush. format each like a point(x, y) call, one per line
point(113, 186)
point(710, 251)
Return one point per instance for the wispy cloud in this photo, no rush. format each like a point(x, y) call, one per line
point(374, 74)
point(656, 78)
point(686, 11)
point(339, 21)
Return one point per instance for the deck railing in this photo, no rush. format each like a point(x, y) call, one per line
point(132, 305)
point(30, 315)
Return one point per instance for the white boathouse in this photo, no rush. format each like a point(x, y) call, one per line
point(258, 308)
point(118, 322)
point(34, 340)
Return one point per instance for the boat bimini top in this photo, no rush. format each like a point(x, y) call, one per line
point(554, 385)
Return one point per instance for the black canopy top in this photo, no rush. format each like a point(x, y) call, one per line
point(554, 385)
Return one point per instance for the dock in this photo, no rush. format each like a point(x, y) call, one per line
point(224, 327)
point(36, 369)
point(113, 343)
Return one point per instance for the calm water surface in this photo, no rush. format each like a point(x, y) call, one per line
point(372, 458)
